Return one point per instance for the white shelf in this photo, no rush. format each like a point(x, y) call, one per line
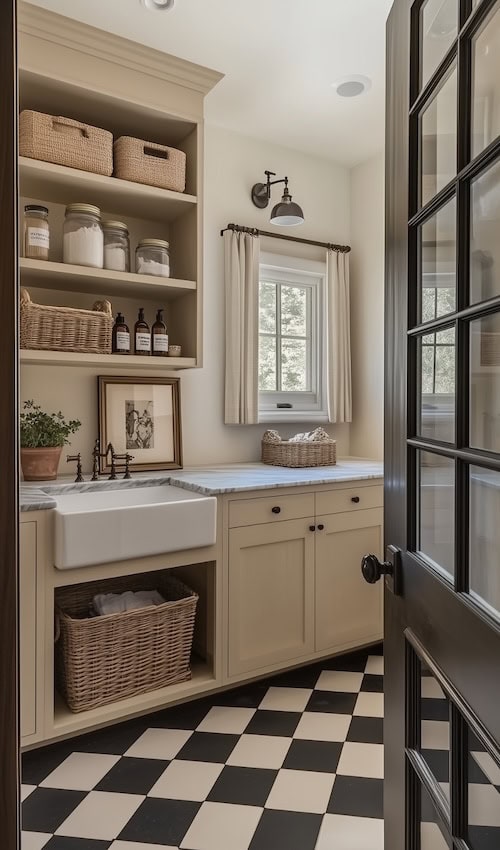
point(42, 274)
point(57, 183)
point(120, 362)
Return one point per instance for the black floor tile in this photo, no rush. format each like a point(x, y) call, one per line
point(249, 696)
point(357, 797)
point(320, 756)
point(281, 723)
point(435, 709)
point(186, 716)
point(286, 831)
point(37, 764)
point(333, 702)
point(355, 662)
point(475, 775)
point(60, 842)
point(366, 730)
point(133, 776)
point(304, 677)
point(484, 837)
point(160, 822)
point(439, 763)
point(46, 808)
point(372, 683)
point(248, 786)
point(113, 740)
point(208, 746)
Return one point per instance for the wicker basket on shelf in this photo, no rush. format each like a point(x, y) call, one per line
point(66, 328)
point(150, 163)
point(53, 138)
point(321, 451)
point(103, 659)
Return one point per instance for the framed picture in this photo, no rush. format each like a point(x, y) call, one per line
point(141, 417)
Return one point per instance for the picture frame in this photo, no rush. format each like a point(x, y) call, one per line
point(142, 417)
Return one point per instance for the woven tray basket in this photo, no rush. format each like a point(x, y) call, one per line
point(299, 454)
point(66, 328)
point(66, 142)
point(103, 659)
point(149, 163)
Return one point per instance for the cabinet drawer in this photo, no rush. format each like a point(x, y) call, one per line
point(352, 499)
point(270, 509)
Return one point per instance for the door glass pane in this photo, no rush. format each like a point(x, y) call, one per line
point(484, 797)
point(485, 383)
point(438, 130)
point(485, 227)
point(484, 546)
point(431, 835)
point(437, 510)
point(438, 27)
point(438, 262)
point(437, 385)
point(435, 728)
point(486, 83)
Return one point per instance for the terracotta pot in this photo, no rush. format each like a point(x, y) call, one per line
point(40, 464)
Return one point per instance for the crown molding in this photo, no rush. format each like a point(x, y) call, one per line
point(58, 29)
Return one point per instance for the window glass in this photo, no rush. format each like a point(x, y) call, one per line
point(485, 227)
point(438, 263)
point(437, 511)
point(484, 543)
point(438, 27)
point(438, 139)
point(485, 383)
point(486, 83)
point(437, 385)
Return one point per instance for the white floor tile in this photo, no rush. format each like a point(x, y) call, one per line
point(362, 760)
point(435, 735)
point(159, 744)
point(484, 805)
point(133, 845)
point(231, 721)
point(286, 699)
point(301, 791)
point(369, 705)
point(268, 751)
point(34, 840)
point(80, 771)
point(375, 665)
point(488, 766)
point(222, 826)
point(317, 726)
point(340, 832)
point(339, 680)
point(187, 780)
point(431, 689)
point(26, 790)
point(432, 838)
point(101, 815)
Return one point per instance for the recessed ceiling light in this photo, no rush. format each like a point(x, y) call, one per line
point(352, 86)
point(158, 5)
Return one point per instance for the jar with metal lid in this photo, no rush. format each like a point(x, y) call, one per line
point(116, 246)
point(36, 232)
point(152, 257)
point(83, 240)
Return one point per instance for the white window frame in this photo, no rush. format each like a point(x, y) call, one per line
point(307, 406)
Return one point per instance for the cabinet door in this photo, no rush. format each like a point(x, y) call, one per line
point(271, 594)
point(348, 610)
point(27, 627)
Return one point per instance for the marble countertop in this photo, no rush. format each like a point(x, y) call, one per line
point(211, 480)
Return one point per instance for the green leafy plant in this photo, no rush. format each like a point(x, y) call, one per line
point(40, 430)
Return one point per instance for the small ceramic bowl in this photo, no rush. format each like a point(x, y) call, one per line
point(174, 350)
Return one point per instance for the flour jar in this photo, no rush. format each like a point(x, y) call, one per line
point(83, 240)
point(152, 257)
point(116, 246)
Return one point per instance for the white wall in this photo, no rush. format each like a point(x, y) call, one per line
point(233, 163)
point(367, 307)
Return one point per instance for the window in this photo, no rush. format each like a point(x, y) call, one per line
point(291, 339)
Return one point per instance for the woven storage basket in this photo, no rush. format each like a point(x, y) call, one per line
point(66, 328)
point(299, 454)
point(66, 142)
point(103, 659)
point(149, 163)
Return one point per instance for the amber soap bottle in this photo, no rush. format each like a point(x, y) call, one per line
point(121, 336)
point(142, 335)
point(159, 336)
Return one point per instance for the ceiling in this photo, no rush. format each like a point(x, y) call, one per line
point(280, 58)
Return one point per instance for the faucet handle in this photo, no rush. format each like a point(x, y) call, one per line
point(78, 459)
point(128, 459)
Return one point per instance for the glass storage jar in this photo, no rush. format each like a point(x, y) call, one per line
point(152, 257)
point(36, 232)
point(116, 246)
point(83, 241)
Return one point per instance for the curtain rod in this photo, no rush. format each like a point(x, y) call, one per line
point(238, 228)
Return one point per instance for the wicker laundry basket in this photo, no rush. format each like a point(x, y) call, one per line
point(103, 659)
point(299, 453)
point(66, 142)
point(149, 163)
point(66, 328)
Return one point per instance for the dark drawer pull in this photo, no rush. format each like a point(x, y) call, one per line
point(312, 528)
point(321, 527)
point(355, 499)
point(276, 509)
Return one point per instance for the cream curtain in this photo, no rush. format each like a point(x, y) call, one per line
point(338, 337)
point(241, 265)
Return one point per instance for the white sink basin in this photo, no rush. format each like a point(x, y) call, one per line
point(96, 527)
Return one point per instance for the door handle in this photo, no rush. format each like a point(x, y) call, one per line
point(373, 569)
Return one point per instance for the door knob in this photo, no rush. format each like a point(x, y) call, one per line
point(373, 569)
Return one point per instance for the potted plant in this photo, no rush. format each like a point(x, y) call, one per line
point(42, 437)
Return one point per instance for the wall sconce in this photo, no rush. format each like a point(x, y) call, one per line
point(284, 214)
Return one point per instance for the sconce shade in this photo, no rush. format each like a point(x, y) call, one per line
point(287, 213)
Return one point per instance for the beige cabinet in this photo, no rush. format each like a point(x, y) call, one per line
point(348, 610)
point(27, 624)
point(270, 594)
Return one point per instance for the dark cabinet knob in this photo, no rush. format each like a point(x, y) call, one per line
point(276, 509)
point(312, 528)
point(355, 499)
point(373, 569)
point(321, 527)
